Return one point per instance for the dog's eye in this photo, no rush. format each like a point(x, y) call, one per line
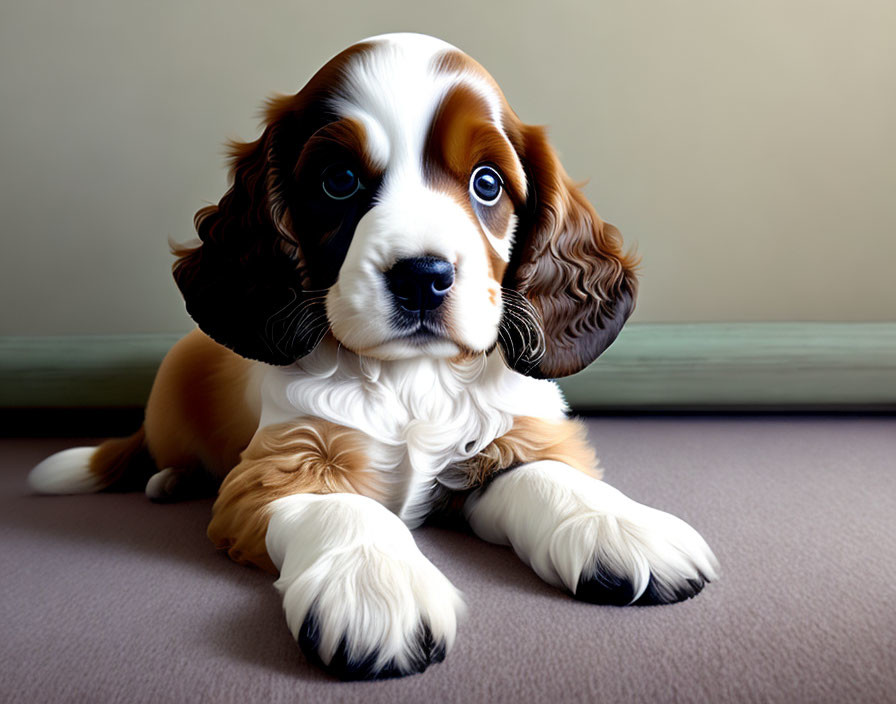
point(486, 185)
point(340, 181)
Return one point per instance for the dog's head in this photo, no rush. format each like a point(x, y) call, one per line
point(398, 202)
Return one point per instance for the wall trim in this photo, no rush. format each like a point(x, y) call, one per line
point(651, 367)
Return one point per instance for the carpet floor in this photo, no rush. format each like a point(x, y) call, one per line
point(109, 598)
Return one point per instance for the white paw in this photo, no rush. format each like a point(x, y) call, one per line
point(634, 555)
point(581, 533)
point(162, 485)
point(360, 598)
point(177, 484)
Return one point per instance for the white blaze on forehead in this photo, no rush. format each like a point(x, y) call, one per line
point(394, 91)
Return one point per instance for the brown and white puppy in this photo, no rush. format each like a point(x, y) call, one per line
point(383, 295)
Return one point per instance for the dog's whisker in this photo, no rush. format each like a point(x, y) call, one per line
point(289, 323)
point(521, 335)
point(309, 317)
point(312, 330)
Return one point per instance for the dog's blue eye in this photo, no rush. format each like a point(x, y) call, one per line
point(340, 182)
point(486, 185)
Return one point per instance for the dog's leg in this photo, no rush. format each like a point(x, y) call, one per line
point(173, 484)
point(580, 533)
point(359, 596)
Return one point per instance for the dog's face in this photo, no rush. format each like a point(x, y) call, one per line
point(397, 202)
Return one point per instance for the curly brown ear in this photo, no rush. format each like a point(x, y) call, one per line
point(243, 285)
point(569, 266)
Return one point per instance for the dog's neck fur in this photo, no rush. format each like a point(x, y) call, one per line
point(421, 415)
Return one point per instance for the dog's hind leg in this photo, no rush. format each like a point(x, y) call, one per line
point(174, 484)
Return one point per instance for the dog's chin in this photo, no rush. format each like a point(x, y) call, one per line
point(415, 345)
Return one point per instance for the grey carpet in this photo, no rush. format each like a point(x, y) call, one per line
point(111, 598)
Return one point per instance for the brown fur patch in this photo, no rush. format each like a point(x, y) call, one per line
point(462, 135)
point(313, 456)
point(198, 413)
point(122, 463)
point(456, 61)
point(532, 439)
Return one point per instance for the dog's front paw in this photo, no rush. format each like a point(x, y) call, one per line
point(416, 654)
point(582, 534)
point(370, 615)
point(635, 555)
point(369, 605)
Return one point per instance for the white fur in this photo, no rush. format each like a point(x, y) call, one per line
point(394, 92)
point(562, 522)
point(356, 565)
point(420, 415)
point(66, 472)
point(164, 484)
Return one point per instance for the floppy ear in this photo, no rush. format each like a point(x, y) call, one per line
point(244, 285)
point(569, 265)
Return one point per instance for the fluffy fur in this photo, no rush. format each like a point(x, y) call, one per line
point(346, 563)
point(332, 410)
point(584, 535)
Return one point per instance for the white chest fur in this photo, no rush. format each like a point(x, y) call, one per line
point(420, 415)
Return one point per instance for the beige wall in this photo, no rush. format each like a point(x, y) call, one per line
point(748, 148)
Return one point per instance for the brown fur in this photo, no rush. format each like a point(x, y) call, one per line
point(198, 417)
point(571, 264)
point(198, 414)
point(122, 463)
point(313, 456)
point(455, 61)
point(532, 439)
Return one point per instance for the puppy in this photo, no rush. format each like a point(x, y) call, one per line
point(383, 296)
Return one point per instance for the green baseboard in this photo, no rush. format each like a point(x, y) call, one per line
point(651, 367)
point(743, 366)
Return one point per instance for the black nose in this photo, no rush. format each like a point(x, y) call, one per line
point(420, 284)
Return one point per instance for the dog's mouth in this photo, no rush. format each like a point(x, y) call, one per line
point(414, 334)
point(418, 326)
point(421, 336)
